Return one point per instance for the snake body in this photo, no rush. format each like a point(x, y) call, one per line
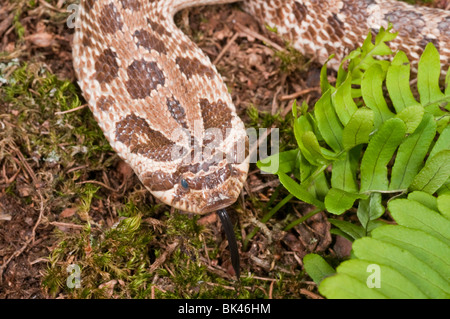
point(165, 109)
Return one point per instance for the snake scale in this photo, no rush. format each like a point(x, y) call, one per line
point(165, 109)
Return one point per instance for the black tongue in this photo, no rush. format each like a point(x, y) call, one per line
point(232, 244)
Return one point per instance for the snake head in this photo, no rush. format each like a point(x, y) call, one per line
point(201, 186)
point(201, 192)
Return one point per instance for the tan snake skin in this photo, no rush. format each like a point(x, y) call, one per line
point(165, 109)
point(320, 28)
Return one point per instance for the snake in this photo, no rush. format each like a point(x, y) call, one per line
point(167, 112)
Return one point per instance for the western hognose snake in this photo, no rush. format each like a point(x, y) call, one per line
point(165, 109)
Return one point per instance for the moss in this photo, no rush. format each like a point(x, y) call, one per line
point(18, 27)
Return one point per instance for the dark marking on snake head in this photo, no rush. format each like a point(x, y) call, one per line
point(143, 78)
point(136, 133)
point(210, 181)
point(300, 11)
point(177, 111)
point(133, 5)
point(105, 103)
point(149, 41)
point(190, 67)
point(159, 180)
point(110, 19)
point(106, 67)
point(216, 115)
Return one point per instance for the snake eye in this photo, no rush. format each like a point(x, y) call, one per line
point(184, 183)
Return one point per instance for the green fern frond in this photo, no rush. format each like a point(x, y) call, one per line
point(373, 144)
point(408, 260)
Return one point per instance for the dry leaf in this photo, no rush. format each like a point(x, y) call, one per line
point(124, 169)
point(42, 39)
point(68, 212)
point(4, 216)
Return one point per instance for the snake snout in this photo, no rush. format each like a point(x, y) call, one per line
point(217, 204)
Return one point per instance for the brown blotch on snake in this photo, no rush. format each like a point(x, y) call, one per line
point(192, 66)
point(110, 20)
point(106, 66)
point(149, 41)
point(158, 28)
point(216, 115)
point(143, 78)
point(136, 133)
point(159, 180)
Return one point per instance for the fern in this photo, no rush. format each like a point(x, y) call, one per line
point(408, 260)
point(358, 144)
point(358, 133)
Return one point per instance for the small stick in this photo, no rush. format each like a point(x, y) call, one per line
point(225, 49)
point(71, 110)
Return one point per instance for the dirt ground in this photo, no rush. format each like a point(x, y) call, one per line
point(244, 54)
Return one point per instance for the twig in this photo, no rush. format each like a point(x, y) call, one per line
point(40, 260)
point(266, 265)
point(267, 279)
point(271, 290)
point(258, 36)
point(26, 165)
point(299, 93)
point(73, 169)
point(71, 110)
point(274, 100)
point(219, 285)
point(161, 259)
point(41, 213)
point(273, 183)
point(152, 295)
point(45, 4)
point(7, 179)
point(67, 225)
point(225, 48)
point(310, 294)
